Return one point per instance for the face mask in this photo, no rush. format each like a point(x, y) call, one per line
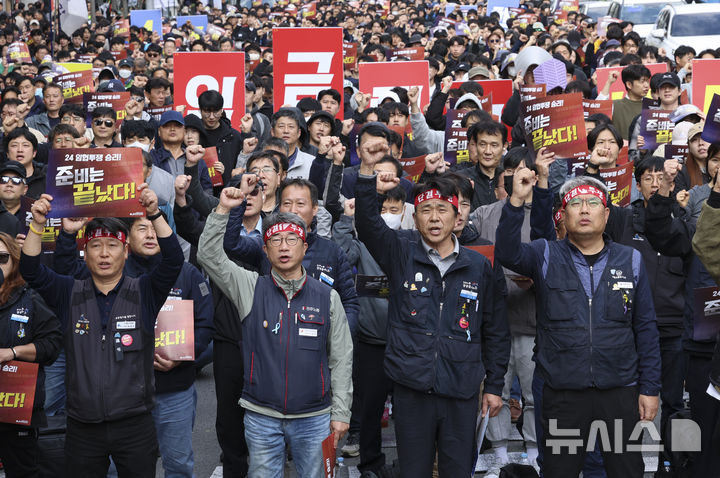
point(511, 71)
point(254, 56)
point(39, 92)
point(138, 144)
point(392, 220)
point(125, 74)
point(508, 182)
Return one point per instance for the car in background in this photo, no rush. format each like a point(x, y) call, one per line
point(642, 13)
point(594, 10)
point(695, 25)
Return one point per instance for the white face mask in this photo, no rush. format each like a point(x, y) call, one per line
point(138, 144)
point(125, 74)
point(254, 56)
point(393, 221)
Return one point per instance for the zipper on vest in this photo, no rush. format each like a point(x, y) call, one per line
point(592, 287)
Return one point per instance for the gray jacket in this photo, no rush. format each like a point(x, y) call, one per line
point(520, 302)
point(698, 196)
point(426, 139)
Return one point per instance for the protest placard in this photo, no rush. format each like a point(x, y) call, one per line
point(456, 142)
point(705, 82)
point(487, 251)
point(706, 322)
point(210, 158)
point(676, 151)
point(557, 123)
point(532, 92)
point(414, 167)
point(350, 55)
point(197, 72)
point(711, 130)
point(619, 183)
point(121, 28)
point(17, 391)
point(414, 53)
point(306, 61)
point(150, 20)
point(328, 452)
point(372, 286)
point(198, 22)
point(116, 101)
point(175, 332)
point(655, 128)
point(97, 182)
point(18, 52)
point(156, 112)
point(501, 91)
point(75, 85)
point(617, 89)
point(592, 107)
point(379, 78)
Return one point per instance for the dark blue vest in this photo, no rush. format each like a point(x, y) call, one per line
point(285, 348)
point(587, 342)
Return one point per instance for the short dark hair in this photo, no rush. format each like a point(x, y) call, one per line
point(155, 83)
point(389, 159)
point(595, 132)
point(472, 87)
point(517, 155)
point(137, 129)
point(62, 128)
point(10, 102)
point(301, 183)
point(579, 86)
point(284, 113)
point(477, 114)
point(52, 85)
point(210, 100)
point(462, 182)
point(457, 39)
point(634, 73)
point(445, 186)
point(397, 193)
point(102, 111)
point(374, 128)
point(683, 50)
point(18, 133)
point(393, 107)
point(599, 118)
point(258, 155)
point(649, 163)
point(631, 36)
point(71, 109)
point(277, 143)
point(487, 127)
point(330, 92)
point(112, 224)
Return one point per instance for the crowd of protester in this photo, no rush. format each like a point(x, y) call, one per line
point(585, 311)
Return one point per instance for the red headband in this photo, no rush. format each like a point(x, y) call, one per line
point(557, 216)
point(102, 232)
point(435, 194)
point(285, 227)
point(581, 190)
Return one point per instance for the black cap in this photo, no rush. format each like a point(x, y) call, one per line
point(414, 39)
point(13, 166)
point(669, 79)
point(250, 86)
point(462, 67)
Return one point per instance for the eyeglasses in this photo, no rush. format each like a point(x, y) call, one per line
point(139, 99)
point(266, 170)
point(290, 240)
point(591, 203)
point(153, 54)
point(108, 123)
point(14, 179)
point(494, 41)
point(72, 119)
point(4, 257)
point(212, 113)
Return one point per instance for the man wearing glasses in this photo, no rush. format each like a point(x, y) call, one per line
point(597, 344)
point(21, 146)
point(12, 188)
point(103, 126)
point(74, 115)
point(296, 344)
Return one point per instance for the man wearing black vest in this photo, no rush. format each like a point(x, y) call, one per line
point(597, 343)
point(108, 322)
point(447, 330)
point(296, 344)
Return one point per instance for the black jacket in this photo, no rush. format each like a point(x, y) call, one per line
point(9, 223)
point(484, 192)
point(36, 182)
point(229, 146)
point(41, 328)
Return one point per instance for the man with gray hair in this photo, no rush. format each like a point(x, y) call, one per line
point(597, 349)
point(296, 344)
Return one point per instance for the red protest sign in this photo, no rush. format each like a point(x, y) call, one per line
point(17, 391)
point(210, 158)
point(487, 251)
point(655, 127)
point(156, 112)
point(328, 451)
point(456, 142)
point(705, 82)
point(414, 167)
point(116, 101)
point(97, 182)
point(306, 61)
point(501, 91)
point(223, 71)
point(591, 107)
point(414, 53)
point(18, 52)
point(618, 181)
point(557, 123)
point(617, 89)
point(623, 155)
point(174, 331)
point(379, 78)
point(119, 55)
point(532, 92)
point(75, 85)
point(121, 28)
point(350, 55)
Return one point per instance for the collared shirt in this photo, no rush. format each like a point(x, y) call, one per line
point(257, 232)
point(443, 264)
point(105, 302)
